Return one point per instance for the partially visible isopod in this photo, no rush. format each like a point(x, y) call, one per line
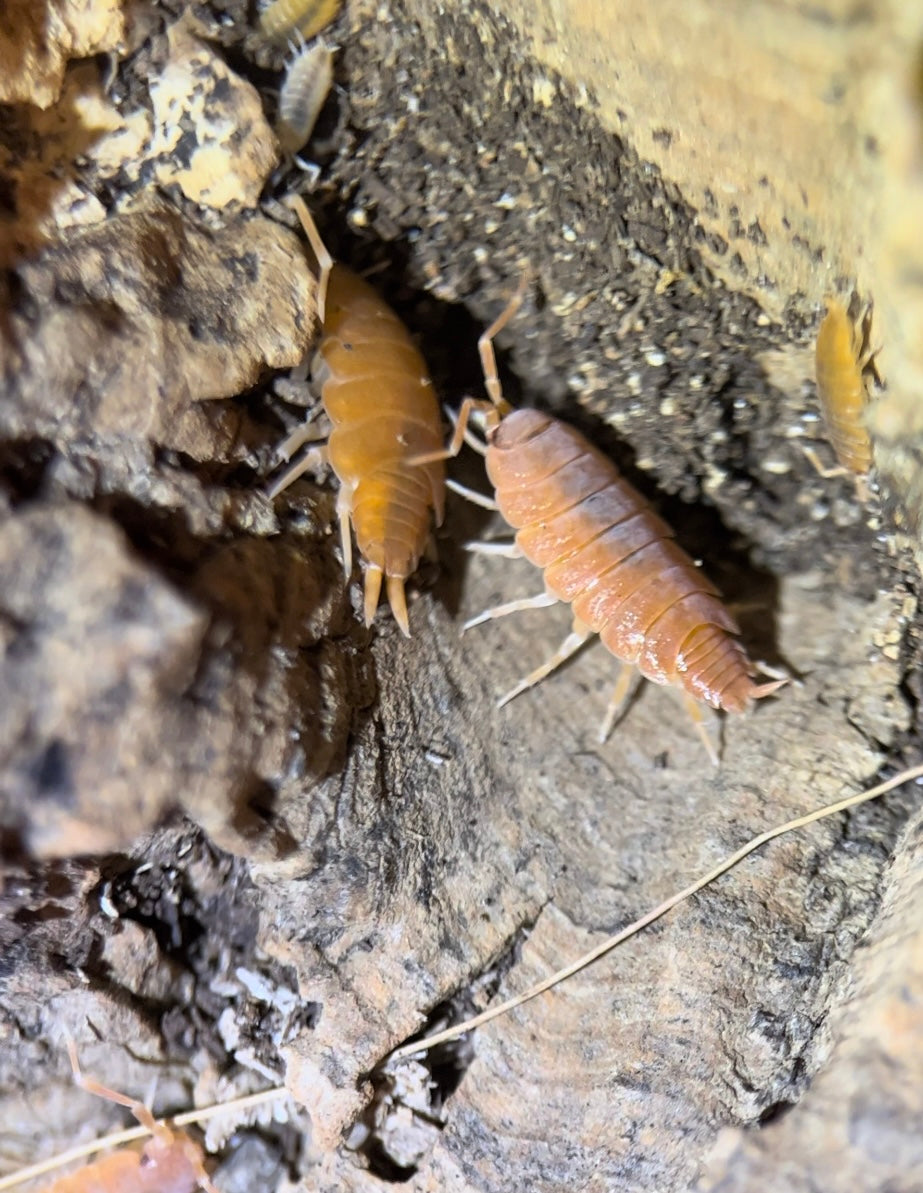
point(843, 361)
point(166, 1161)
point(169, 1162)
point(307, 17)
point(306, 86)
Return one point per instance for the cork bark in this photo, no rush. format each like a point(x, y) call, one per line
point(248, 840)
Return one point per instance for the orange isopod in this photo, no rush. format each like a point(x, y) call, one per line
point(843, 358)
point(605, 552)
point(377, 393)
point(168, 1162)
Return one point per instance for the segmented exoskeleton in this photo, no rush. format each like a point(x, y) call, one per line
point(307, 82)
point(843, 359)
point(605, 552)
point(168, 1163)
point(377, 393)
point(307, 17)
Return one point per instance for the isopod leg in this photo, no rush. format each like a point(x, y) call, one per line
point(822, 470)
point(625, 687)
point(313, 458)
point(468, 435)
point(397, 599)
point(325, 262)
point(571, 644)
point(461, 427)
point(306, 432)
point(865, 353)
point(372, 591)
point(861, 481)
point(138, 1109)
point(202, 1176)
point(771, 672)
point(542, 601)
point(344, 512)
point(459, 435)
point(486, 349)
point(506, 550)
point(298, 44)
point(694, 709)
point(472, 495)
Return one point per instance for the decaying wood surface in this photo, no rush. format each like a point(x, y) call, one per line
point(246, 840)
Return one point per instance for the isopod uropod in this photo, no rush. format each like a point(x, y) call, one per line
point(605, 552)
point(843, 358)
point(377, 393)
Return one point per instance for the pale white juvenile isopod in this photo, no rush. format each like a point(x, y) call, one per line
point(306, 86)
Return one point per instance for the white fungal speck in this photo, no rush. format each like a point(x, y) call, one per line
point(543, 91)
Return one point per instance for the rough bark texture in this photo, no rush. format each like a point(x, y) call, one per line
point(247, 840)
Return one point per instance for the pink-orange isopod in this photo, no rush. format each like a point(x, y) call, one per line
point(168, 1162)
point(606, 553)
